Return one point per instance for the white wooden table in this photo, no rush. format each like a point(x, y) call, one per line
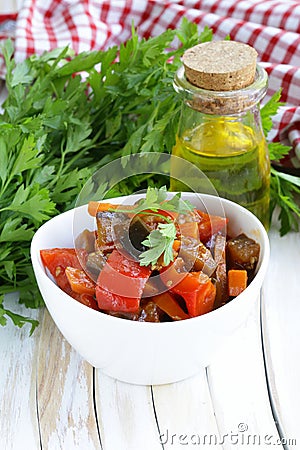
point(248, 398)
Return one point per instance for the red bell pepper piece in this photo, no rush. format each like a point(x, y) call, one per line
point(88, 300)
point(199, 299)
point(209, 225)
point(195, 288)
point(121, 283)
point(57, 259)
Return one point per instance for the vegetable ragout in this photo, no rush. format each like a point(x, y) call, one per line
point(158, 260)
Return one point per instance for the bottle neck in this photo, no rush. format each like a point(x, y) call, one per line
point(222, 103)
point(191, 119)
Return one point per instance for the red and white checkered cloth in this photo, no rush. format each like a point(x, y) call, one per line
point(272, 27)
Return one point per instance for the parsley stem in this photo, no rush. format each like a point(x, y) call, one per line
point(153, 213)
point(145, 213)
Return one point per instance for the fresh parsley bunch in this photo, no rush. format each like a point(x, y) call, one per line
point(284, 187)
point(57, 128)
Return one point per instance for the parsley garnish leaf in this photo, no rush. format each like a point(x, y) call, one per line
point(160, 242)
point(156, 198)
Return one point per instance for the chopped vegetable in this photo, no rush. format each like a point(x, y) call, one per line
point(209, 225)
point(237, 281)
point(190, 230)
point(58, 259)
point(120, 283)
point(196, 256)
point(105, 232)
point(86, 240)
point(89, 301)
point(198, 292)
point(176, 245)
point(95, 207)
point(95, 263)
point(79, 281)
point(170, 306)
point(150, 312)
point(242, 253)
point(221, 270)
point(138, 232)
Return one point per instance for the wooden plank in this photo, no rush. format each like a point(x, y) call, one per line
point(67, 418)
point(125, 415)
point(185, 414)
point(239, 392)
point(281, 332)
point(18, 356)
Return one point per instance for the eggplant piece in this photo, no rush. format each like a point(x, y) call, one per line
point(150, 312)
point(220, 273)
point(242, 252)
point(95, 263)
point(86, 239)
point(105, 221)
point(153, 286)
point(123, 315)
point(129, 235)
point(196, 256)
point(112, 230)
point(151, 221)
point(138, 231)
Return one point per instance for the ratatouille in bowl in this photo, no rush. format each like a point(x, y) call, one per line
point(148, 287)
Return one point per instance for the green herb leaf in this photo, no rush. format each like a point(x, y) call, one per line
point(33, 203)
point(283, 188)
point(13, 231)
point(20, 321)
point(269, 110)
point(22, 74)
point(17, 319)
point(156, 199)
point(160, 242)
point(277, 150)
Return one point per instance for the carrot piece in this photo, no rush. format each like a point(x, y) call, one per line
point(237, 281)
point(79, 281)
point(169, 305)
point(94, 207)
point(176, 245)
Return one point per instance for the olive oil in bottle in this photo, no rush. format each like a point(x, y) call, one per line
point(220, 132)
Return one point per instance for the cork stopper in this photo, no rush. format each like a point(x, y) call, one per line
point(220, 65)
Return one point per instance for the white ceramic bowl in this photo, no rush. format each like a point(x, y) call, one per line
point(139, 352)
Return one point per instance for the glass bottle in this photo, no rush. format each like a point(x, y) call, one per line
point(221, 133)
